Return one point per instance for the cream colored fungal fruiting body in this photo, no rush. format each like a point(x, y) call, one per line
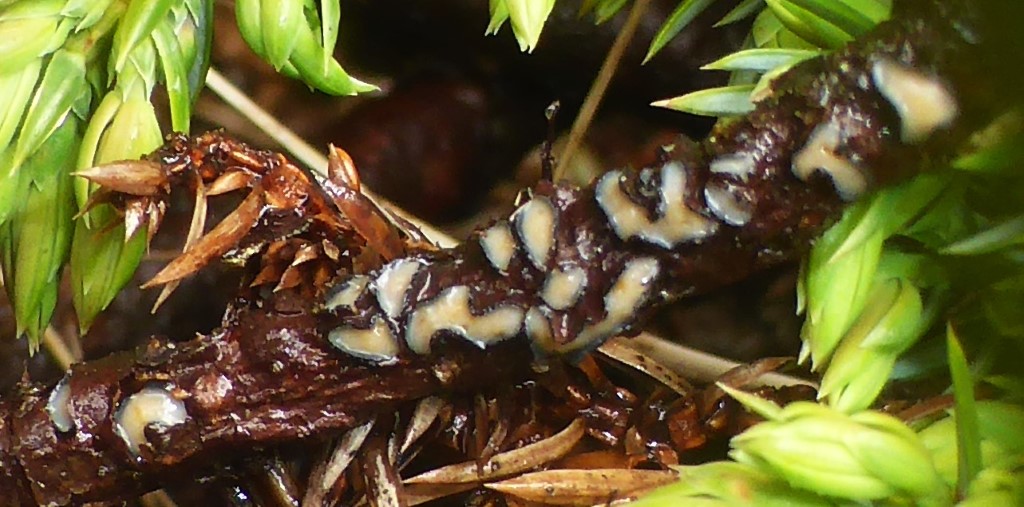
point(59, 405)
point(392, 284)
point(450, 311)
point(677, 223)
point(538, 329)
point(375, 344)
point(741, 165)
point(563, 287)
point(620, 304)
point(348, 293)
point(499, 246)
point(151, 406)
point(535, 222)
point(923, 102)
point(819, 154)
point(726, 205)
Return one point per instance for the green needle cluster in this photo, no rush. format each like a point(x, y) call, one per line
point(878, 291)
point(1000, 480)
point(298, 39)
point(866, 455)
point(863, 301)
point(730, 484)
point(77, 81)
point(77, 78)
point(163, 42)
point(782, 35)
point(527, 16)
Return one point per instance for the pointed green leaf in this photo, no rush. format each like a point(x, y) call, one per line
point(279, 21)
point(173, 64)
point(889, 324)
point(891, 209)
point(528, 18)
point(330, 17)
point(837, 287)
point(743, 10)
point(21, 27)
point(102, 262)
point(1006, 234)
point(997, 147)
point(97, 10)
point(36, 243)
point(762, 407)
point(761, 60)
point(15, 92)
point(86, 158)
point(499, 14)
point(139, 74)
point(75, 8)
point(197, 8)
point(136, 25)
point(769, 32)
point(809, 26)
point(62, 84)
point(682, 16)
point(133, 132)
point(968, 434)
point(874, 10)
point(248, 16)
point(606, 9)
point(196, 39)
point(723, 101)
point(838, 13)
point(12, 185)
point(307, 59)
point(763, 86)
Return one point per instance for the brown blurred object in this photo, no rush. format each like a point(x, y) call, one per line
point(752, 319)
point(422, 146)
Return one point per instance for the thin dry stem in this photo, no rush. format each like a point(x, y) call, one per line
point(600, 86)
point(58, 348)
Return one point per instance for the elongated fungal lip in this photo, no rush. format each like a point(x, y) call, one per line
point(450, 311)
point(563, 287)
point(535, 221)
point(498, 245)
point(153, 405)
point(376, 344)
point(741, 164)
point(726, 205)
point(819, 155)
point(59, 405)
point(393, 282)
point(923, 103)
point(625, 297)
point(347, 293)
point(676, 224)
